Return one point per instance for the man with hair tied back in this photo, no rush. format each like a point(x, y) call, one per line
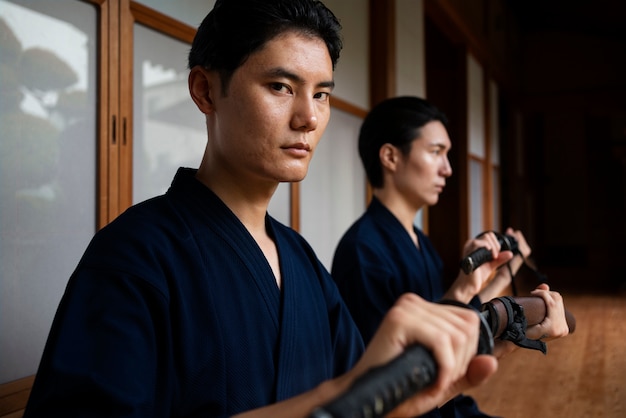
point(198, 303)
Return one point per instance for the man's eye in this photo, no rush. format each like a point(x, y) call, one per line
point(280, 87)
point(324, 95)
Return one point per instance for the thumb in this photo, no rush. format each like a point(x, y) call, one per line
point(480, 369)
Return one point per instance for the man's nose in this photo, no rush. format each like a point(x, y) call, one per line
point(305, 115)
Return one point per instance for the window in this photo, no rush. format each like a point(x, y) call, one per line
point(48, 120)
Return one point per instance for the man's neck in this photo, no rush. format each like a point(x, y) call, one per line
point(249, 203)
point(400, 208)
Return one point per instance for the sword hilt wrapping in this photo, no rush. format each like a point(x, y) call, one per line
point(381, 389)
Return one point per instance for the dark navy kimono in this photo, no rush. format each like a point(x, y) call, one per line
point(173, 311)
point(375, 262)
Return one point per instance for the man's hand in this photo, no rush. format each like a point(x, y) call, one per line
point(450, 332)
point(555, 323)
point(466, 286)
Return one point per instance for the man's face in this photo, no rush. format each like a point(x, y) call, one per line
point(274, 112)
point(421, 175)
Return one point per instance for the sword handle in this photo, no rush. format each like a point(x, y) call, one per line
point(381, 388)
point(476, 259)
point(534, 310)
point(481, 255)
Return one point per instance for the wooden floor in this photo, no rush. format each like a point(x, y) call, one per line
point(582, 376)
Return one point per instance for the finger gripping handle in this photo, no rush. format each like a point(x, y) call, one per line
point(482, 255)
point(382, 388)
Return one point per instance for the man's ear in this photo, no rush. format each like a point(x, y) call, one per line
point(201, 88)
point(388, 155)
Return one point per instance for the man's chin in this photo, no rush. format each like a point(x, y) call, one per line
point(295, 176)
point(291, 181)
point(434, 201)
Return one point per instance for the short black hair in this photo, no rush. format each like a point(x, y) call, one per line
point(234, 29)
point(396, 121)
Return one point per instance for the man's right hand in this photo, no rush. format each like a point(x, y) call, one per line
point(450, 332)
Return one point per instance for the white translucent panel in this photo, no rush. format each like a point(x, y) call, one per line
point(280, 205)
point(47, 166)
point(332, 196)
point(168, 129)
point(410, 61)
point(352, 72)
point(494, 123)
point(475, 108)
point(190, 12)
point(496, 209)
point(476, 198)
